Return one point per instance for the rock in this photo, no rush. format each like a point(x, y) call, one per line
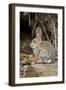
point(32, 59)
point(46, 69)
point(25, 61)
point(29, 71)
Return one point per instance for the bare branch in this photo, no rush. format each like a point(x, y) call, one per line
point(29, 19)
point(34, 24)
point(54, 29)
point(44, 29)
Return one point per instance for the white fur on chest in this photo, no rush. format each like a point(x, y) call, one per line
point(36, 51)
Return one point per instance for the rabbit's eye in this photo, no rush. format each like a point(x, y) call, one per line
point(34, 41)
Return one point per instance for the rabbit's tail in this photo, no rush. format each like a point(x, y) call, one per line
point(56, 54)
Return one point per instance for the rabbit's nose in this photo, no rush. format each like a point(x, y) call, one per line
point(30, 45)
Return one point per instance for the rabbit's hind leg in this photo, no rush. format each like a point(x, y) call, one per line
point(45, 60)
point(49, 61)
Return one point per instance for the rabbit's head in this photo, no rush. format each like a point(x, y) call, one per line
point(38, 32)
point(35, 42)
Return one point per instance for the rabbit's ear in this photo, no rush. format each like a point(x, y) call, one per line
point(39, 32)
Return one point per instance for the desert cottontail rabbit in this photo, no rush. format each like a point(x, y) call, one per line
point(43, 50)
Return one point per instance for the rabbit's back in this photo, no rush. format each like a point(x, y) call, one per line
point(49, 47)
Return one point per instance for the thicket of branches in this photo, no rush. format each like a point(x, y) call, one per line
point(48, 24)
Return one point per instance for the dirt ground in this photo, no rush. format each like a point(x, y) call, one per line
point(38, 70)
